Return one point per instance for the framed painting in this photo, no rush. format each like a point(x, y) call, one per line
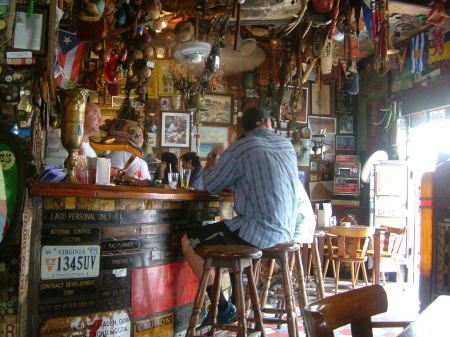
point(321, 99)
point(175, 129)
point(17, 172)
point(301, 115)
point(210, 137)
point(346, 124)
point(321, 190)
point(322, 125)
point(168, 72)
point(345, 143)
point(219, 109)
point(219, 87)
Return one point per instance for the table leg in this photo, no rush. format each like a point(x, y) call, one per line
point(317, 266)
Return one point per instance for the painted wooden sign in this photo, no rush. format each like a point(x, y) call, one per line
point(161, 326)
point(119, 245)
point(162, 288)
point(69, 288)
point(70, 235)
point(61, 262)
point(105, 324)
point(8, 326)
point(72, 216)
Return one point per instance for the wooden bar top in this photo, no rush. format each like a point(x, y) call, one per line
point(39, 188)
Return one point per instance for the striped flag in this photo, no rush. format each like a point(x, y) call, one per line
point(417, 53)
point(70, 56)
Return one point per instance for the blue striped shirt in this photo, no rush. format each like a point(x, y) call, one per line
point(262, 170)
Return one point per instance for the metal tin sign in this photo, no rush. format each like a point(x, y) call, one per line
point(151, 216)
point(75, 305)
point(119, 245)
point(132, 260)
point(70, 235)
point(61, 262)
point(105, 324)
point(161, 326)
point(120, 232)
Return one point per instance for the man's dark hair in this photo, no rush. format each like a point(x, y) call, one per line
point(254, 117)
point(192, 156)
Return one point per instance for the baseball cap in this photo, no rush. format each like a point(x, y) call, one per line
point(254, 117)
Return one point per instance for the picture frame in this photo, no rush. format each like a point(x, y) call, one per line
point(345, 143)
point(317, 124)
point(346, 124)
point(167, 72)
point(219, 87)
point(175, 129)
point(165, 104)
point(302, 115)
point(321, 190)
point(219, 109)
point(30, 31)
point(321, 99)
point(211, 136)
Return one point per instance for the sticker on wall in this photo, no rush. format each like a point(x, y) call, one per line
point(111, 324)
point(161, 326)
point(61, 262)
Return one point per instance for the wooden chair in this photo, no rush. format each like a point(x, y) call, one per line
point(355, 307)
point(351, 243)
point(393, 239)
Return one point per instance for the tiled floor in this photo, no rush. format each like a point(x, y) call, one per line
point(402, 306)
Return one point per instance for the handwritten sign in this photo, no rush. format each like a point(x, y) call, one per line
point(105, 324)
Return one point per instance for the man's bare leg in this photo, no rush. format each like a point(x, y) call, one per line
point(195, 261)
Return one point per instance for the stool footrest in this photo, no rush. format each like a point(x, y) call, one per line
point(274, 321)
point(273, 311)
point(234, 328)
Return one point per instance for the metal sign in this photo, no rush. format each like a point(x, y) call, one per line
point(70, 235)
point(109, 233)
point(119, 245)
point(69, 288)
point(132, 260)
point(8, 326)
point(151, 216)
point(111, 324)
point(71, 216)
point(161, 326)
point(61, 262)
point(75, 305)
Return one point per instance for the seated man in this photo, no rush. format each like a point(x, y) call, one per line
point(262, 170)
point(92, 122)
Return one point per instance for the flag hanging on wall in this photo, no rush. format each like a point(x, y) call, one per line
point(417, 53)
point(439, 43)
point(69, 58)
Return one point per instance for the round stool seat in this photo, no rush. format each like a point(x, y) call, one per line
point(283, 247)
point(229, 252)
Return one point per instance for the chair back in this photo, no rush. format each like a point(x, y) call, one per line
point(352, 242)
point(393, 239)
point(355, 307)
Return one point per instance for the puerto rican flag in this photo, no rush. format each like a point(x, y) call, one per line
point(69, 58)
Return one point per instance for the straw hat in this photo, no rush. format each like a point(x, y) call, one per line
point(122, 135)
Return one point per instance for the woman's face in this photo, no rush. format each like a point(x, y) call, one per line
point(187, 164)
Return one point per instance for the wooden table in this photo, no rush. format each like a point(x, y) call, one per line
point(432, 322)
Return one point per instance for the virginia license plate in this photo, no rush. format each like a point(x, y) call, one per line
point(60, 262)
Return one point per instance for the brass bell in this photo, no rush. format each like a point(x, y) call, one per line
point(197, 102)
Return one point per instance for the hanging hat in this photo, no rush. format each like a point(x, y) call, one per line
point(122, 135)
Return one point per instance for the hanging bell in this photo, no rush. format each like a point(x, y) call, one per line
point(197, 102)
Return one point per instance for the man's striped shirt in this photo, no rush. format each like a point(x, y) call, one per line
point(262, 171)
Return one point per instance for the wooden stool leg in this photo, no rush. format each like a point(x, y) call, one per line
point(287, 287)
point(266, 286)
point(255, 301)
point(199, 298)
point(240, 304)
point(399, 272)
point(363, 268)
point(215, 300)
point(317, 267)
point(325, 268)
point(303, 300)
point(336, 279)
point(352, 271)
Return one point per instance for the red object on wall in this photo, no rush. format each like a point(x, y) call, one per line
point(162, 288)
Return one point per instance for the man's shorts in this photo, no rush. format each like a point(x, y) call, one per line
point(216, 233)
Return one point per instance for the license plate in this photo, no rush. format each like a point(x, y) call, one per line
point(61, 262)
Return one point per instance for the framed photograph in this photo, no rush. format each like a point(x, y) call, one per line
point(175, 129)
point(322, 125)
point(211, 136)
point(151, 139)
point(321, 99)
point(167, 72)
point(345, 143)
point(30, 30)
point(165, 104)
point(219, 87)
point(301, 115)
point(219, 109)
point(346, 124)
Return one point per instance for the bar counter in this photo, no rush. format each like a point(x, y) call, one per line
point(109, 257)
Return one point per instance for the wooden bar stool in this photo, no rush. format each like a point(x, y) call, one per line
point(289, 256)
point(238, 259)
